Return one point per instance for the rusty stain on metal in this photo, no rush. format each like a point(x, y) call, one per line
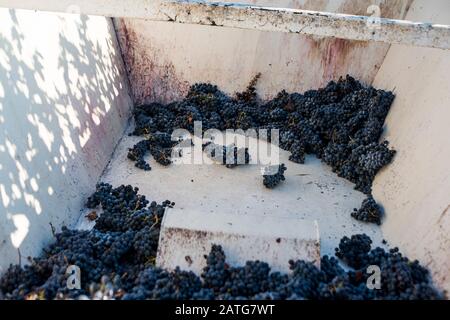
point(151, 79)
point(333, 55)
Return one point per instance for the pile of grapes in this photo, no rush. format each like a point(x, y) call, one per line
point(341, 124)
point(116, 259)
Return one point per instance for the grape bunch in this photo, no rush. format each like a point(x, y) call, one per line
point(354, 250)
point(273, 175)
point(370, 211)
point(137, 154)
point(159, 145)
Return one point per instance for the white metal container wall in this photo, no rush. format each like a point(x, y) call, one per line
point(64, 104)
point(415, 188)
point(163, 59)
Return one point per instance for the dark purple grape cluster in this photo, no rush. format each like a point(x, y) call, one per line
point(354, 250)
point(119, 206)
point(155, 283)
point(248, 280)
point(216, 271)
point(159, 145)
point(137, 154)
point(362, 163)
point(342, 288)
point(331, 268)
point(370, 211)
point(306, 278)
point(145, 243)
point(176, 285)
point(273, 175)
point(145, 283)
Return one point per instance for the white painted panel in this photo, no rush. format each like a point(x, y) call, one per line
point(415, 188)
point(64, 104)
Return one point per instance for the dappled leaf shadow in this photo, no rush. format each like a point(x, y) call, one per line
point(63, 106)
